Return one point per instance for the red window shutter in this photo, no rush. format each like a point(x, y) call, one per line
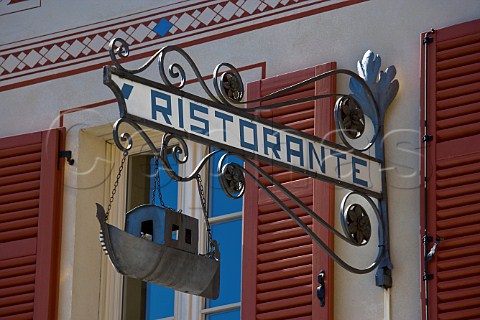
point(453, 170)
point(280, 263)
point(30, 201)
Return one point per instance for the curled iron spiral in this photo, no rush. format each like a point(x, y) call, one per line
point(228, 84)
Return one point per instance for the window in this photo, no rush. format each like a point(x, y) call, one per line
point(225, 216)
point(143, 300)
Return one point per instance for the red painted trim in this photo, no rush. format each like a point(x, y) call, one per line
point(183, 45)
point(250, 226)
point(84, 33)
point(324, 195)
point(86, 107)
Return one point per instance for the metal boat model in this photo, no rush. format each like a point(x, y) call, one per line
point(160, 246)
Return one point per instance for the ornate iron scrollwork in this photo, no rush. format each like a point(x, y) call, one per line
point(372, 91)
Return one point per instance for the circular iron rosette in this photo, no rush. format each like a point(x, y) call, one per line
point(359, 217)
point(355, 129)
point(231, 177)
point(228, 84)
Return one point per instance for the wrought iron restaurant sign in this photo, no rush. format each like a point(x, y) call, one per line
point(232, 129)
point(222, 122)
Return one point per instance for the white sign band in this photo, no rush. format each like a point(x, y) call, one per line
point(265, 141)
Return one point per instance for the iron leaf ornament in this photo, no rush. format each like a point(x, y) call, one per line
point(383, 85)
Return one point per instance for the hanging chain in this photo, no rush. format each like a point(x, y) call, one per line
point(203, 201)
point(156, 185)
point(115, 185)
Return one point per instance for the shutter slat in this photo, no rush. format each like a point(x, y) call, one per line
point(453, 122)
point(18, 299)
point(281, 304)
point(288, 273)
point(22, 214)
point(284, 254)
point(18, 234)
point(466, 314)
point(458, 201)
point(284, 293)
point(468, 175)
point(458, 273)
point(284, 283)
point(293, 117)
point(23, 316)
point(458, 231)
point(19, 224)
point(23, 159)
point(278, 82)
point(19, 206)
point(466, 130)
point(458, 305)
point(15, 170)
point(465, 109)
point(458, 263)
point(458, 101)
point(18, 262)
point(18, 178)
point(462, 58)
point(17, 280)
point(456, 45)
point(19, 289)
point(453, 295)
point(464, 240)
point(17, 309)
point(284, 263)
point(284, 244)
point(19, 196)
point(471, 219)
point(280, 235)
point(459, 252)
point(471, 86)
point(23, 270)
point(286, 314)
point(21, 150)
point(283, 177)
point(282, 225)
point(453, 162)
point(19, 187)
point(458, 190)
point(300, 188)
point(463, 283)
point(454, 76)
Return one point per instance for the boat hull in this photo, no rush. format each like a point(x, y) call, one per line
point(159, 264)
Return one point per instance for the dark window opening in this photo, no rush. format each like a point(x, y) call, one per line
point(175, 229)
point(188, 236)
point(147, 228)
